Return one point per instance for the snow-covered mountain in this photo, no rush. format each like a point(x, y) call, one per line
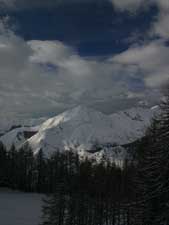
point(19, 130)
point(18, 136)
point(85, 129)
point(7, 123)
point(90, 132)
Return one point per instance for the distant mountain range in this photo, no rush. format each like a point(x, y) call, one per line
point(89, 132)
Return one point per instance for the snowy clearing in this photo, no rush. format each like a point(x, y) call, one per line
point(18, 208)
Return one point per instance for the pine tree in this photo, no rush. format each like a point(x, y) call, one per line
point(13, 170)
point(153, 170)
point(3, 165)
point(41, 171)
point(29, 161)
point(54, 209)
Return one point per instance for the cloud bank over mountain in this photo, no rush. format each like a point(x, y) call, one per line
point(50, 76)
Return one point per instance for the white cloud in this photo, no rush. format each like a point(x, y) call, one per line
point(160, 26)
point(47, 76)
point(133, 5)
point(151, 60)
point(61, 56)
point(130, 5)
point(163, 4)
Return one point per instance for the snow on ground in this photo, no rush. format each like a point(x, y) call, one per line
point(18, 208)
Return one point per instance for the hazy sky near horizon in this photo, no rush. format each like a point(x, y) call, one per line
point(54, 55)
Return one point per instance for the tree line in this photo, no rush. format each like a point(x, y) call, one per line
point(78, 191)
point(152, 180)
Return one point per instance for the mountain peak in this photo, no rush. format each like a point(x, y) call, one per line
point(81, 128)
point(82, 110)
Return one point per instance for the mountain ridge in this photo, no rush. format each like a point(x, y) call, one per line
point(84, 129)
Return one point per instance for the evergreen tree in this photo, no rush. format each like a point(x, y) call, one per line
point(29, 164)
point(41, 171)
point(153, 170)
point(54, 210)
point(12, 171)
point(3, 165)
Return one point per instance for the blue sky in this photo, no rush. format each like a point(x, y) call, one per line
point(94, 28)
point(107, 54)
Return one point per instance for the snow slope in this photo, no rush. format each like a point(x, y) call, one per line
point(7, 122)
point(83, 128)
point(131, 124)
point(91, 133)
point(18, 136)
point(17, 208)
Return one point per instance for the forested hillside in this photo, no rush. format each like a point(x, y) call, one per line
point(84, 190)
